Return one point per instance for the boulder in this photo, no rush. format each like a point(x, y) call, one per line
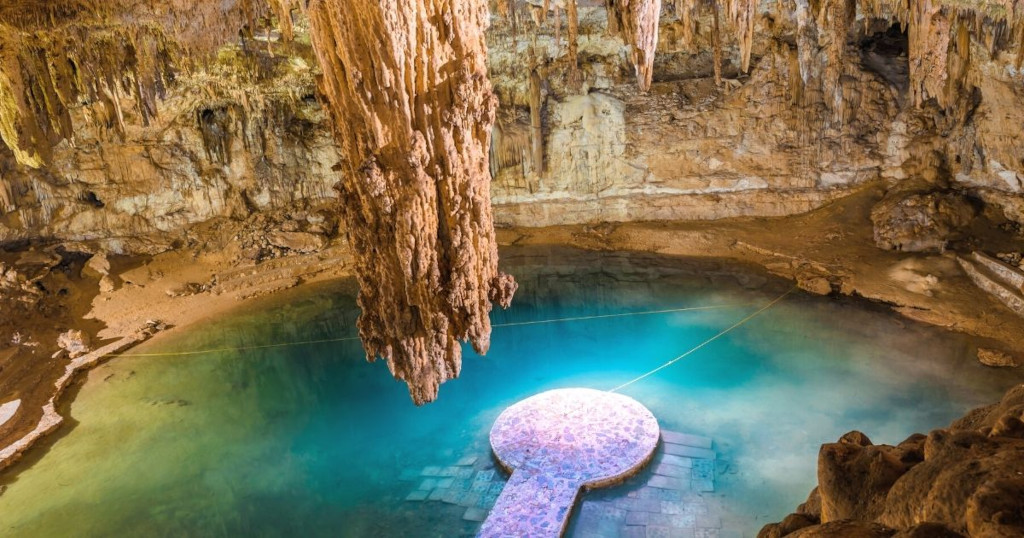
point(928, 530)
point(790, 524)
point(845, 529)
point(965, 480)
point(75, 342)
point(98, 266)
point(920, 222)
point(996, 358)
point(996, 510)
point(854, 477)
point(301, 242)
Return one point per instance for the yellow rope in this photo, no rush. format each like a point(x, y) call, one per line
point(602, 316)
point(706, 342)
point(351, 338)
point(243, 348)
point(522, 323)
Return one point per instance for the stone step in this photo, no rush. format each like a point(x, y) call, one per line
point(689, 451)
point(1010, 275)
point(994, 285)
point(678, 438)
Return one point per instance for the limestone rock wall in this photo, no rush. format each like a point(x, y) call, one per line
point(754, 108)
point(815, 114)
point(127, 136)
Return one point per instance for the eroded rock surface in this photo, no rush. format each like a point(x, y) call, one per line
point(921, 221)
point(961, 480)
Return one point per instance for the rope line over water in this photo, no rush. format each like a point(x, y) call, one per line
point(497, 325)
point(706, 342)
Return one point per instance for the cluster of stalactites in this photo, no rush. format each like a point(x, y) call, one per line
point(737, 17)
point(406, 85)
point(283, 10)
point(102, 56)
point(539, 13)
point(44, 76)
point(822, 32)
point(940, 35)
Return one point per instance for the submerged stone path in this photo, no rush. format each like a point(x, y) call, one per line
point(557, 443)
point(673, 496)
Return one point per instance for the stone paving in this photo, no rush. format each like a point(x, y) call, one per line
point(555, 444)
point(472, 483)
point(668, 498)
point(673, 496)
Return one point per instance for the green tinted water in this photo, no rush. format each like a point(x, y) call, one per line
point(311, 440)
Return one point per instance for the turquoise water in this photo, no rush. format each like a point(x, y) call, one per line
point(311, 440)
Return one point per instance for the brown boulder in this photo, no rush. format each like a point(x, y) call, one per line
point(996, 510)
point(928, 530)
point(964, 480)
point(791, 524)
point(919, 222)
point(854, 477)
point(996, 358)
point(845, 529)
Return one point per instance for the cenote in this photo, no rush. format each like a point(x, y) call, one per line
point(311, 440)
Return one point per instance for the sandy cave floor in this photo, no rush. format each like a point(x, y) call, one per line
point(829, 250)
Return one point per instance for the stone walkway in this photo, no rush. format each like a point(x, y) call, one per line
point(671, 497)
point(555, 444)
point(472, 483)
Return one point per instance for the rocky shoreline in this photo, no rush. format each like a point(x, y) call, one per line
point(828, 251)
point(963, 480)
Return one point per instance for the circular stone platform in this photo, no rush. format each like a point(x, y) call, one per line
point(593, 437)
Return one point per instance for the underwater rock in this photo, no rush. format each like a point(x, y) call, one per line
point(996, 358)
point(406, 83)
point(962, 480)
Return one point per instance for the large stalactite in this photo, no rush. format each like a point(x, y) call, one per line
point(406, 83)
point(637, 22)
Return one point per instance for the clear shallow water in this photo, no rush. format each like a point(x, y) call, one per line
point(312, 441)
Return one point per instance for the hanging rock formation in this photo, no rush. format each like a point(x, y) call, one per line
point(406, 83)
point(574, 76)
point(637, 22)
